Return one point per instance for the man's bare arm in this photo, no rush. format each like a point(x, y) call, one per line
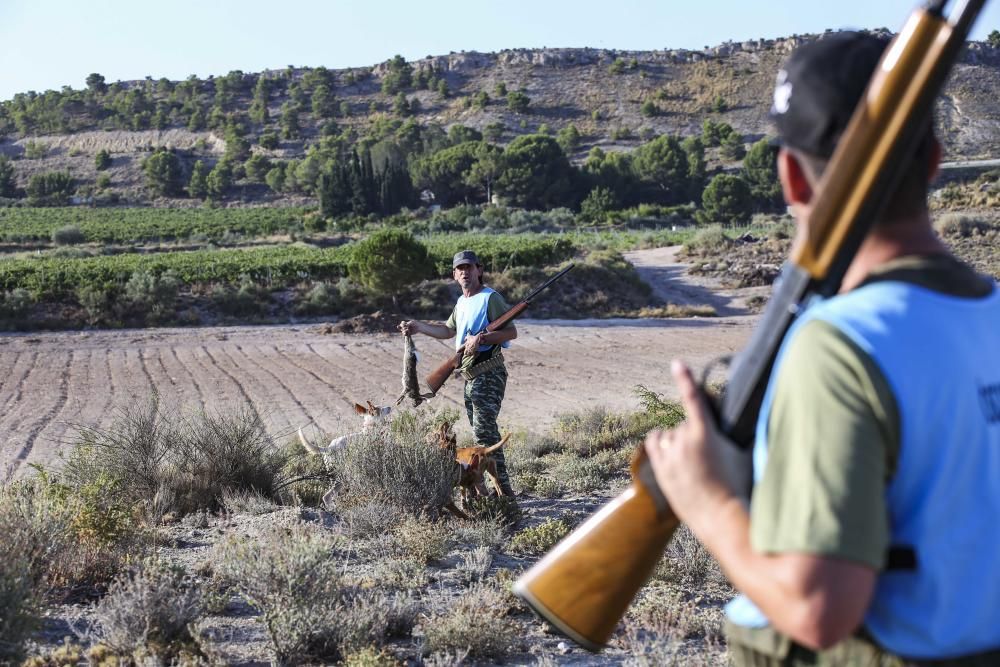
point(433, 330)
point(816, 600)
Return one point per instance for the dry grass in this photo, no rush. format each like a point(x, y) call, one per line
point(147, 614)
point(475, 622)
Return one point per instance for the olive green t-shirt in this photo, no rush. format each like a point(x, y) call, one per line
point(495, 307)
point(833, 435)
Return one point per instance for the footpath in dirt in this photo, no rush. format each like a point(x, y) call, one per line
point(306, 375)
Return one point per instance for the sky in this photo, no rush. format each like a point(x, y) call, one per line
point(46, 44)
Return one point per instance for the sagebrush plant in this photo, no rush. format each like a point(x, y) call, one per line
point(710, 240)
point(593, 473)
point(588, 432)
point(687, 563)
point(422, 540)
point(959, 225)
point(292, 575)
point(476, 621)
point(75, 541)
point(397, 469)
point(474, 564)
point(148, 612)
point(184, 462)
point(536, 540)
point(19, 595)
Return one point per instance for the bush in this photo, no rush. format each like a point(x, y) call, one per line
point(708, 241)
point(475, 622)
point(152, 296)
point(293, 576)
point(19, 562)
point(51, 189)
point(388, 260)
point(163, 172)
point(404, 472)
point(957, 225)
point(69, 235)
point(536, 540)
point(102, 160)
point(148, 613)
point(289, 575)
point(727, 199)
point(74, 539)
point(158, 460)
point(15, 304)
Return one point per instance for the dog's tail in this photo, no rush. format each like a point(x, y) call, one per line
point(311, 448)
point(493, 448)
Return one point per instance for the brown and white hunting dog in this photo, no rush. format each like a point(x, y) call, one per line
point(374, 417)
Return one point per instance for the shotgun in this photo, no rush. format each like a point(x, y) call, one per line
point(584, 585)
point(441, 374)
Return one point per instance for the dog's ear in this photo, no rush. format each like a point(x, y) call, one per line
point(360, 409)
point(372, 410)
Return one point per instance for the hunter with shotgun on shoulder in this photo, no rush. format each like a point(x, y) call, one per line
point(481, 365)
point(863, 400)
point(871, 537)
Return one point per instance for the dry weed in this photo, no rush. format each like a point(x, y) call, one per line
point(476, 622)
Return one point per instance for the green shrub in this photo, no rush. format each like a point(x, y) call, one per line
point(51, 189)
point(388, 260)
point(19, 594)
point(74, 540)
point(321, 299)
point(709, 241)
point(69, 235)
point(294, 577)
point(102, 160)
point(536, 540)
point(15, 304)
point(404, 472)
point(422, 540)
point(151, 296)
point(35, 150)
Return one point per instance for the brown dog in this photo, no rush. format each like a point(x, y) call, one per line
point(478, 468)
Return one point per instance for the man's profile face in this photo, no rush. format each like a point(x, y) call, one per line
point(469, 276)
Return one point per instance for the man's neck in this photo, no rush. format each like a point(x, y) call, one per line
point(467, 292)
point(886, 243)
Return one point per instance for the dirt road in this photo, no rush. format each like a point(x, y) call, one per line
point(296, 374)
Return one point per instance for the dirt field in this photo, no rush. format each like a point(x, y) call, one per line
point(296, 375)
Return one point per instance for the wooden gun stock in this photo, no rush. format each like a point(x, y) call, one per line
point(585, 584)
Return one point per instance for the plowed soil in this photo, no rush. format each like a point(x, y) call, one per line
point(311, 375)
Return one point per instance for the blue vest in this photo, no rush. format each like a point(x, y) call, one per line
point(941, 358)
point(471, 317)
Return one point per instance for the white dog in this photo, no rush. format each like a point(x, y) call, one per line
point(374, 417)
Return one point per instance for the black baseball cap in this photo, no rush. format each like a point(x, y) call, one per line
point(465, 257)
point(819, 87)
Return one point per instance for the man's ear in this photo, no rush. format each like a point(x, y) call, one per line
point(795, 184)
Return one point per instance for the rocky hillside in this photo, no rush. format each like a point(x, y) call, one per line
point(615, 99)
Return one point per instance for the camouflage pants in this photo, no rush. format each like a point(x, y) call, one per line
point(483, 396)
